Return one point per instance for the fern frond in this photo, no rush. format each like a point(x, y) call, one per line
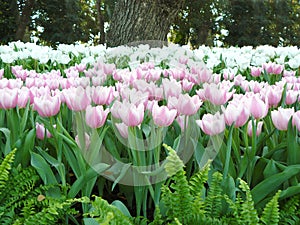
point(248, 214)
point(5, 168)
point(157, 217)
point(270, 215)
point(104, 213)
point(289, 212)
point(177, 197)
point(213, 201)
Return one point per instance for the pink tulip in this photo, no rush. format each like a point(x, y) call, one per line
point(162, 115)
point(277, 69)
point(131, 114)
point(180, 121)
point(77, 99)
point(237, 114)
point(95, 117)
point(258, 108)
point(212, 124)
point(8, 98)
point(274, 95)
point(239, 79)
point(86, 143)
point(171, 88)
point(115, 109)
point(109, 68)
point(291, 97)
point(281, 117)
point(41, 130)
point(183, 60)
point(123, 129)
point(47, 106)
point(186, 85)
point(80, 67)
point(188, 105)
point(287, 73)
point(256, 71)
point(23, 97)
point(296, 120)
point(1, 73)
point(258, 128)
point(200, 75)
point(216, 95)
point(103, 95)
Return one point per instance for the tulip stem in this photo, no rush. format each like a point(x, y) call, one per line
point(228, 152)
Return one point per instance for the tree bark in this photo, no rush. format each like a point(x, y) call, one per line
point(100, 22)
point(142, 20)
point(24, 19)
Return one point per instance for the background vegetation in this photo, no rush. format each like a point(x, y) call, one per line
point(209, 22)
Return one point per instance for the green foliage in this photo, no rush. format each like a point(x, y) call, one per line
point(5, 168)
point(25, 201)
point(289, 211)
point(104, 213)
point(8, 25)
point(201, 201)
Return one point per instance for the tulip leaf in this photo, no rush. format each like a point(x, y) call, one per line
point(90, 174)
point(43, 168)
point(120, 205)
point(272, 183)
point(293, 153)
point(7, 147)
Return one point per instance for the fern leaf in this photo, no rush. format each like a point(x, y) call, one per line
point(249, 213)
point(5, 168)
point(270, 215)
point(213, 202)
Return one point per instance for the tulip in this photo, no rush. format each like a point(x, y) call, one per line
point(162, 115)
point(108, 68)
point(291, 97)
point(274, 95)
point(103, 95)
point(47, 105)
point(258, 108)
point(281, 117)
point(180, 120)
point(95, 117)
point(258, 128)
point(41, 130)
point(188, 105)
point(8, 98)
point(216, 95)
point(171, 88)
point(86, 143)
point(77, 99)
point(131, 114)
point(1, 73)
point(23, 97)
point(296, 120)
point(256, 71)
point(212, 124)
point(123, 129)
point(237, 114)
point(186, 85)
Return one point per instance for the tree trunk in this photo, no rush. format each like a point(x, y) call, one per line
point(142, 20)
point(24, 19)
point(100, 22)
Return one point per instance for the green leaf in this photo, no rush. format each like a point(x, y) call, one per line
point(120, 205)
point(7, 147)
point(43, 168)
point(293, 153)
point(272, 183)
point(83, 179)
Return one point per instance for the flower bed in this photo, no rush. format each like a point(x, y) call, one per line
point(94, 121)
